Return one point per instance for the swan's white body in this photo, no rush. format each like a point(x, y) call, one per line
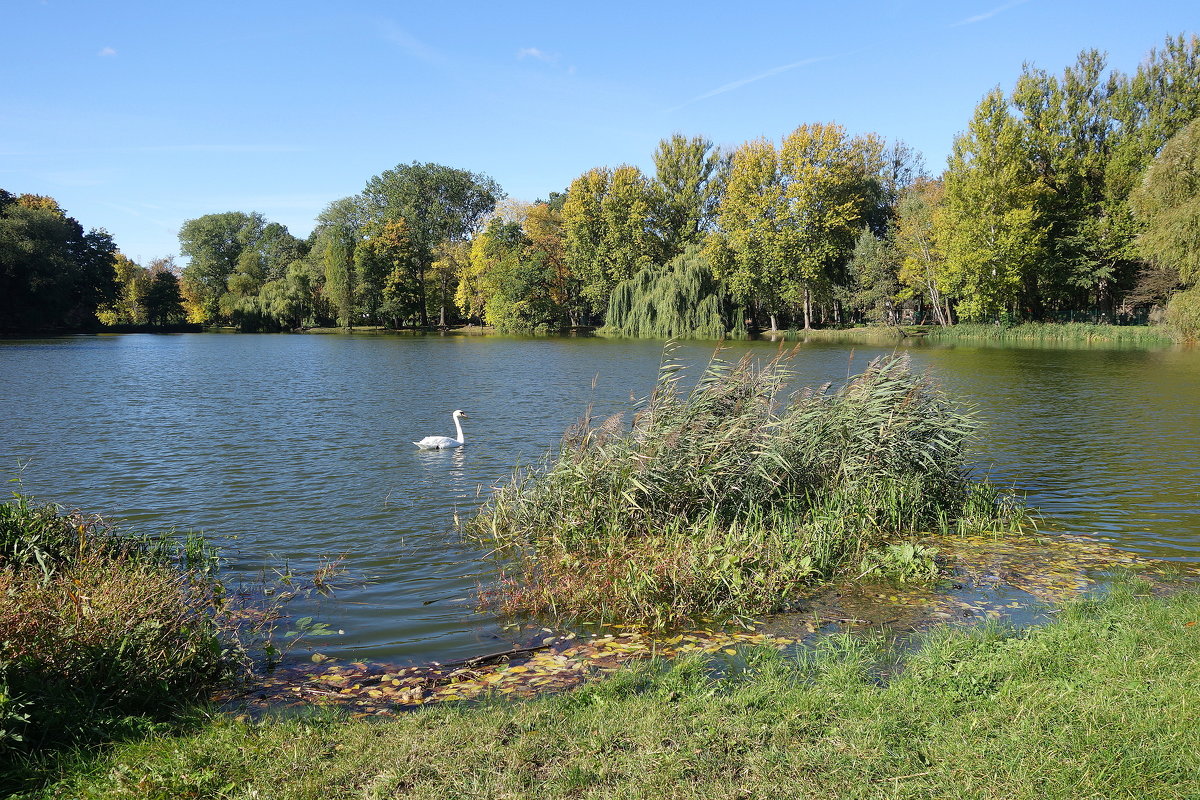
point(444, 442)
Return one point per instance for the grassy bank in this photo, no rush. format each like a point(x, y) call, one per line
point(728, 497)
point(1064, 332)
point(1104, 702)
point(100, 632)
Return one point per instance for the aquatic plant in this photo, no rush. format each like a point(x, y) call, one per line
point(730, 496)
point(1056, 332)
point(902, 563)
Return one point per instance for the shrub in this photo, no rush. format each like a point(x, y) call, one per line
point(95, 625)
point(1183, 313)
point(725, 499)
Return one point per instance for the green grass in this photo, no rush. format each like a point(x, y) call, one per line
point(728, 497)
point(1104, 702)
point(1064, 332)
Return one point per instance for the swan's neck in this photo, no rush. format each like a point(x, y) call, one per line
point(458, 427)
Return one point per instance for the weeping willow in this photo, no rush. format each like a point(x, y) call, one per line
point(677, 300)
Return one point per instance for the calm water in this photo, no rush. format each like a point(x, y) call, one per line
point(294, 448)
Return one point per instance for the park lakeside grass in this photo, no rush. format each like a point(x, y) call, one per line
point(1060, 332)
point(1102, 702)
point(1043, 333)
point(731, 496)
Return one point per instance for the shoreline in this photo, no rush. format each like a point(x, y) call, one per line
point(987, 579)
point(1101, 702)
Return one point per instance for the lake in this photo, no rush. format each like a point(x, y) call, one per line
point(290, 449)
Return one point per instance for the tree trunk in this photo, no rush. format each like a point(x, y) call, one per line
point(807, 310)
point(936, 302)
point(424, 315)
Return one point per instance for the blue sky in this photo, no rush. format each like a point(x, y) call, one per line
point(137, 116)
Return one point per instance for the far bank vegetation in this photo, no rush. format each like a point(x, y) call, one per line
point(1068, 197)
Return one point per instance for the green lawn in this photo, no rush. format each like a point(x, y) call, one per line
point(1105, 702)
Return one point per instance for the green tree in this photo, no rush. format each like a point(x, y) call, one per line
point(922, 267)
point(386, 273)
point(1167, 203)
point(231, 256)
point(163, 300)
point(688, 181)
point(133, 282)
point(746, 252)
point(789, 218)
point(679, 299)
point(608, 230)
point(340, 228)
point(449, 263)
point(289, 301)
point(213, 245)
point(52, 273)
point(991, 230)
point(584, 234)
point(438, 204)
point(831, 186)
point(544, 232)
point(875, 286)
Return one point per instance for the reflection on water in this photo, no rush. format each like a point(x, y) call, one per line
point(300, 447)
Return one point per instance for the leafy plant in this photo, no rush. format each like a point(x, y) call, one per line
point(96, 625)
point(902, 562)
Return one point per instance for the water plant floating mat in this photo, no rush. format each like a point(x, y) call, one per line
point(1009, 577)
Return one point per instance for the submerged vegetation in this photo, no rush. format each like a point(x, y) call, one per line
point(725, 499)
point(97, 627)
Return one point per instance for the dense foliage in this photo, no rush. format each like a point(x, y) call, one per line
point(1055, 205)
point(726, 498)
point(96, 625)
point(52, 274)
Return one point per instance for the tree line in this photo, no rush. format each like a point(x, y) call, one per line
point(1072, 194)
point(54, 276)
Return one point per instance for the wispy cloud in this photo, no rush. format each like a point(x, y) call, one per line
point(729, 87)
point(107, 52)
point(535, 53)
point(410, 44)
point(987, 14)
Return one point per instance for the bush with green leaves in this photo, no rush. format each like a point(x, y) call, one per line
point(732, 495)
point(96, 625)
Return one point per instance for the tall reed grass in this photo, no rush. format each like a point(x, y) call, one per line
point(96, 626)
point(732, 495)
point(1064, 332)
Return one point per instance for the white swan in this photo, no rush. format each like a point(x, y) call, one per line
point(444, 442)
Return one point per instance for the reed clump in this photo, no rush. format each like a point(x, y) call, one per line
point(1057, 332)
point(730, 496)
point(97, 627)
